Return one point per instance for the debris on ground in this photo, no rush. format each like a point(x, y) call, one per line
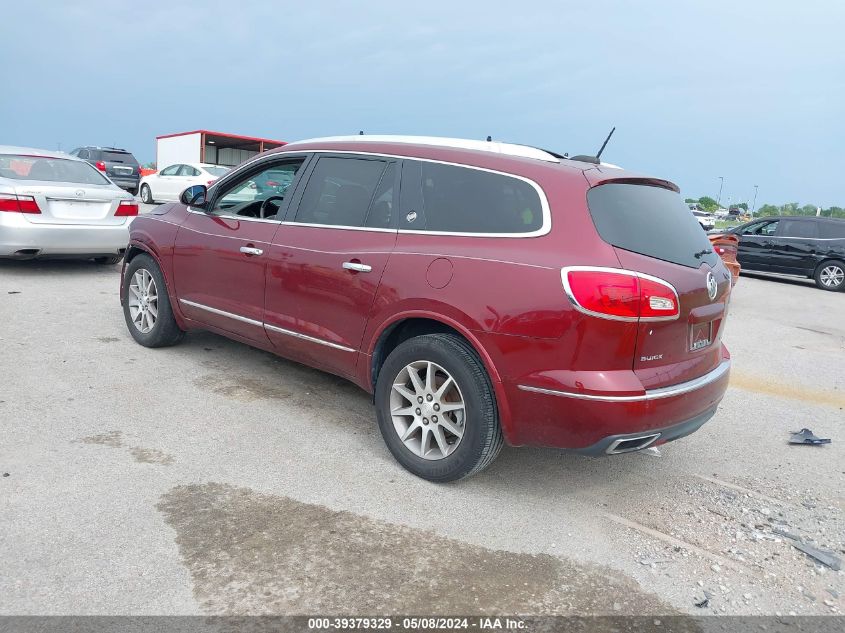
point(826, 558)
point(806, 436)
point(703, 603)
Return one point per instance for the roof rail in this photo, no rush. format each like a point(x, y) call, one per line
point(509, 149)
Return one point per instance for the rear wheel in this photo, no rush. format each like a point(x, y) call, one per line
point(146, 195)
point(436, 408)
point(830, 275)
point(146, 305)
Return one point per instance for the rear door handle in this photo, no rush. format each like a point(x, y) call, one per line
point(251, 250)
point(357, 267)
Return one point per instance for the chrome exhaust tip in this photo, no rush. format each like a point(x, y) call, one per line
point(631, 444)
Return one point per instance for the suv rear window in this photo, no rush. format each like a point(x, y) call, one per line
point(118, 157)
point(466, 200)
point(651, 221)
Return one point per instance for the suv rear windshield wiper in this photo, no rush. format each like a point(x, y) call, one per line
point(702, 253)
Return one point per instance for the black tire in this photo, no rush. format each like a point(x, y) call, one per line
point(165, 331)
point(111, 260)
point(482, 438)
point(146, 194)
point(825, 267)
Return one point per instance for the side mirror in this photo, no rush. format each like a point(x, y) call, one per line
point(194, 196)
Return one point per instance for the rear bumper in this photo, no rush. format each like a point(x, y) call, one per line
point(129, 182)
point(629, 442)
point(560, 416)
point(21, 238)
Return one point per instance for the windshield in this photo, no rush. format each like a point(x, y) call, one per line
point(216, 171)
point(45, 169)
point(651, 221)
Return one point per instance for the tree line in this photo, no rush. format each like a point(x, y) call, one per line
point(792, 208)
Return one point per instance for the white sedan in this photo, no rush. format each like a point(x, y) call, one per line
point(56, 205)
point(170, 182)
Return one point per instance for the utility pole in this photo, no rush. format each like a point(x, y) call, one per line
point(754, 204)
point(719, 198)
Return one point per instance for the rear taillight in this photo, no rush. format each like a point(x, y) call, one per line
point(18, 204)
point(126, 208)
point(623, 295)
point(100, 165)
point(211, 182)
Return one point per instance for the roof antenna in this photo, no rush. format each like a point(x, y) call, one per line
point(489, 138)
point(603, 145)
point(595, 160)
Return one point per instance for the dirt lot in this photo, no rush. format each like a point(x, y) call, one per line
point(212, 478)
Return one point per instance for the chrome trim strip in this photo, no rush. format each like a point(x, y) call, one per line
point(265, 325)
point(342, 227)
point(544, 229)
point(307, 338)
point(653, 394)
point(69, 199)
point(236, 317)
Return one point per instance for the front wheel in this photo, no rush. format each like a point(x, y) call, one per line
point(436, 408)
point(146, 305)
point(831, 276)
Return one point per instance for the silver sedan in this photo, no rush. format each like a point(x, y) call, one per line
point(52, 204)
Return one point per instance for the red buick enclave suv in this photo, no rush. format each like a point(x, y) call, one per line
point(482, 292)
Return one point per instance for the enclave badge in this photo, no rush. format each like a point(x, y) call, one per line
point(712, 286)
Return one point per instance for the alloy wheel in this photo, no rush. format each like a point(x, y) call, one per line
point(427, 410)
point(832, 276)
point(143, 300)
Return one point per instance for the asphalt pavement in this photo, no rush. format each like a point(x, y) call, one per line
point(212, 478)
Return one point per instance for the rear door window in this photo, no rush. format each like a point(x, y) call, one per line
point(340, 191)
point(649, 220)
point(799, 228)
point(832, 230)
point(458, 199)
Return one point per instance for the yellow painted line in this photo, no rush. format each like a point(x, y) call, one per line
point(784, 390)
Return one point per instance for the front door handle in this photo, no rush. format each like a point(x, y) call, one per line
point(251, 250)
point(357, 267)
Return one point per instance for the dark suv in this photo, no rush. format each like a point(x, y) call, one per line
point(119, 165)
point(795, 245)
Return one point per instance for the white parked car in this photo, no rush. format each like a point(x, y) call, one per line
point(706, 220)
point(170, 182)
point(53, 204)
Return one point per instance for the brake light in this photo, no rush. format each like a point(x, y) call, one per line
point(100, 165)
point(622, 295)
point(126, 208)
point(18, 204)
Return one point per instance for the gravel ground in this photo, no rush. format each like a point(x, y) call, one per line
point(213, 478)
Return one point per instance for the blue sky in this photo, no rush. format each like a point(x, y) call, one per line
point(750, 90)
